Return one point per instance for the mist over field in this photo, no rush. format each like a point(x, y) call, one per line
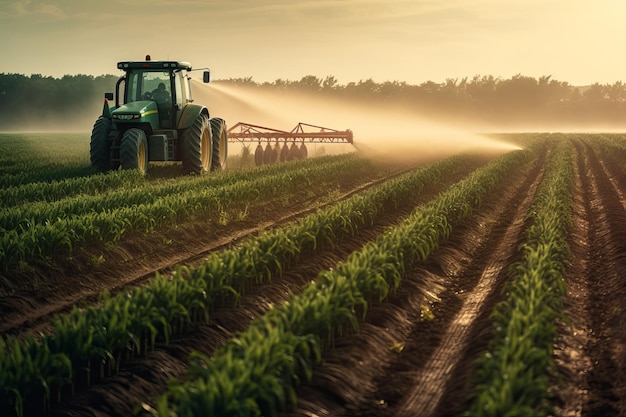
point(381, 128)
point(393, 109)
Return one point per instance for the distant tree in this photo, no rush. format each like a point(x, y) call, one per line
point(39, 102)
point(308, 83)
point(329, 83)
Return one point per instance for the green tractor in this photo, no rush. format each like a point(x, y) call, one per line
point(155, 119)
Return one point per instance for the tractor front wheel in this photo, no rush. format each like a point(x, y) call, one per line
point(197, 147)
point(100, 146)
point(220, 143)
point(134, 150)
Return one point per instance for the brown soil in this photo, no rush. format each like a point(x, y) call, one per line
point(149, 375)
point(415, 352)
point(56, 286)
point(591, 354)
point(407, 363)
point(421, 345)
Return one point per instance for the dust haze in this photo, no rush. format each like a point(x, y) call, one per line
point(387, 132)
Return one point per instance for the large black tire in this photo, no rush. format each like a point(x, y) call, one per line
point(134, 150)
point(114, 155)
point(197, 147)
point(219, 135)
point(100, 146)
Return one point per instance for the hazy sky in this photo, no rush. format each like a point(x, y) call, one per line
point(578, 41)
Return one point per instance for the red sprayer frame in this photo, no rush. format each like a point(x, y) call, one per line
point(245, 132)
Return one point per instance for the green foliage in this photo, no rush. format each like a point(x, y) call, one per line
point(40, 228)
point(257, 372)
point(514, 374)
point(37, 158)
point(131, 322)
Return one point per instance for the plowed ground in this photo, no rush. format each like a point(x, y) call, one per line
point(415, 353)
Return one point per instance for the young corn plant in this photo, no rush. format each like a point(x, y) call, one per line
point(96, 340)
point(257, 372)
point(514, 374)
point(39, 229)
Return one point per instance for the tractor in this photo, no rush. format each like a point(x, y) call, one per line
point(154, 119)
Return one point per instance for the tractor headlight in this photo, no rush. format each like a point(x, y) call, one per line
point(125, 116)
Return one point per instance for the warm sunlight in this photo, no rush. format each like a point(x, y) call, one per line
point(412, 41)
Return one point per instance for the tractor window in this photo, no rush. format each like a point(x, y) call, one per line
point(180, 97)
point(133, 84)
point(148, 85)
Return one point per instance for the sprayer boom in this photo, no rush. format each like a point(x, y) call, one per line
point(245, 132)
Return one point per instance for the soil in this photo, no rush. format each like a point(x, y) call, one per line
point(415, 352)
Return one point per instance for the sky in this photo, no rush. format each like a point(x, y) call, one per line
point(577, 41)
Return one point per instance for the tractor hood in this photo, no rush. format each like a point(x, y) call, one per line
point(136, 110)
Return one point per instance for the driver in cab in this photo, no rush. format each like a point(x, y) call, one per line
point(160, 95)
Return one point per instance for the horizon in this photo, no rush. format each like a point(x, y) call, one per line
point(321, 77)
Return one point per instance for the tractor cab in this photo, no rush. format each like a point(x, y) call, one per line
point(153, 88)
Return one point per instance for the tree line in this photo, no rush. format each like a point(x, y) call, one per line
point(516, 101)
point(72, 102)
point(37, 102)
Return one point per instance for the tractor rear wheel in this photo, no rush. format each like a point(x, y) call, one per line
point(197, 146)
point(134, 150)
point(100, 145)
point(220, 143)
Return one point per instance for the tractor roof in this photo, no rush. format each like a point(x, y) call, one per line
point(156, 65)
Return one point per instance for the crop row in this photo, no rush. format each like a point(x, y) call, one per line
point(28, 215)
point(612, 147)
point(514, 374)
point(257, 372)
point(90, 343)
point(112, 183)
point(26, 158)
point(42, 229)
point(51, 191)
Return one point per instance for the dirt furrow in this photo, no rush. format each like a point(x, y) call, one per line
point(430, 382)
point(591, 356)
point(143, 379)
point(34, 314)
point(573, 362)
point(372, 373)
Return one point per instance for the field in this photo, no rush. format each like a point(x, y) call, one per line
point(482, 284)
